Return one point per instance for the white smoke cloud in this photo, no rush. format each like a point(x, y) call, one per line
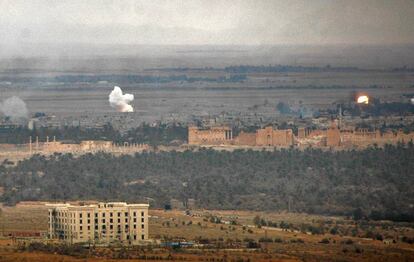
point(14, 107)
point(121, 101)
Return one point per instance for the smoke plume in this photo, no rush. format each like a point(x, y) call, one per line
point(121, 101)
point(14, 107)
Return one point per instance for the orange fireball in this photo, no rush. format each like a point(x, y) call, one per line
point(363, 99)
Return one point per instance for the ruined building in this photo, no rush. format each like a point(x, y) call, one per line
point(224, 136)
point(212, 136)
point(359, 138)
point(333, 137)
point(271, 137)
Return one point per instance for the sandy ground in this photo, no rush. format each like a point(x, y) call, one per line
point(176, 224)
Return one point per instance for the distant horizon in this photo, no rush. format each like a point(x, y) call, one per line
point(157, 56)
point(236, 22)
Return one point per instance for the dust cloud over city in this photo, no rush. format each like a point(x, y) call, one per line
point(207, 130)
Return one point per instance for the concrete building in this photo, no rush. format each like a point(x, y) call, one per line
point(100, 223)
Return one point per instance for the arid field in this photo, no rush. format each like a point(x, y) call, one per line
point(225, 235)
point(155, 104)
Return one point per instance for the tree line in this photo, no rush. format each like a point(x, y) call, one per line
point(374, 183)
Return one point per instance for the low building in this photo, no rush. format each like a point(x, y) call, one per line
point(100, 223)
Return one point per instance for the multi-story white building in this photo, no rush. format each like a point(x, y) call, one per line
point(101, 223)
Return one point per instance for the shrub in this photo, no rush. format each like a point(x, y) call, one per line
point(278, 240)
point(297, 240)
point(324, 241)
point(252, 244)
point(358, 250)
point(264, 239)
point(348, 242)
point(407, 240)
point(379, 237)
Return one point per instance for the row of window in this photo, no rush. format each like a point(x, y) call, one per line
point(110, 220)
point(118, 236)
point(64, 220)
point(62, 225)
point(110, 227)
point(111, 214)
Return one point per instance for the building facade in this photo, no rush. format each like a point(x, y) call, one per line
point(267, 136)
point(100, 223)
point(212, 136)
point(271, 137)
point(332, 137)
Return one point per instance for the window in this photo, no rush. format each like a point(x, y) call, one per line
point(135, 226)
point(135, 214)
point(103, 227)
point(96, 214)
point(126, 214)
point(126, 220)
point(89, 227)
point(135, 219)
point(142, 213)
point(80, 221)
point(103, 220)
point(142, 226)
point(119, 214)
point(111, 220)
point(111, 227)
point(80, 215)
point(119, 220)
point(111, 214)
point(89, 215)
point(89, 221)
point(142, 237)
point(96, 221)
point(142, 220)
point(135, 237)
point(80, 228)
point(103, 214)
point(96, 227)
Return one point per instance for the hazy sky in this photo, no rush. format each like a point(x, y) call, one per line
point(207, 22)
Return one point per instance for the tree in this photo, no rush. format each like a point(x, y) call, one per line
point(357, 214)
point(257, 220)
